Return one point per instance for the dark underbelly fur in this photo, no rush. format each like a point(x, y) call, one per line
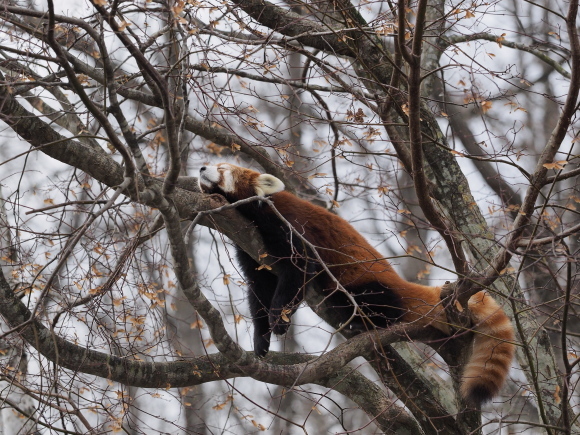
point(273, 298)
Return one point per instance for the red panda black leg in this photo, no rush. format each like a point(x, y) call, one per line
point(259, 310)
point(288, 295)
point(262, 332)
point(273, 299)
point(261, 286)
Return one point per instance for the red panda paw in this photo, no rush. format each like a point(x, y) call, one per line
point(261, 345)
point(280, 328)
point(356, 325)
point(279, 321)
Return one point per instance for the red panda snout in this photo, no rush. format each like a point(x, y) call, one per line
point(217, 178)
point(208, 178)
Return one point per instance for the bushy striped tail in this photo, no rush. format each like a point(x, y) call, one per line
point(493, 350)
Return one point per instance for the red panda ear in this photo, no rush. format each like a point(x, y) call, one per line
point(267, 184)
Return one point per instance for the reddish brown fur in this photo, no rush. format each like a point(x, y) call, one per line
point(493, 349)
point(353, 260)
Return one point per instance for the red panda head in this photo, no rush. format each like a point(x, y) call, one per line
point(235, 182)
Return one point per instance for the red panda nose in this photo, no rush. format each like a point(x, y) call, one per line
point(203, 168)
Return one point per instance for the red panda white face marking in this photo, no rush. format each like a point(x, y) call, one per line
point(218, 176)
point(237, 182)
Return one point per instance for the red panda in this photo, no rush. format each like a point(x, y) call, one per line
point(380, 293)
